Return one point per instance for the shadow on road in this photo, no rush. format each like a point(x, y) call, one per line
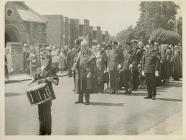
point(136, 94)
point(169, 99)
point(16, 81)
point(106, 104)
point(12, 94)
point(173, 84)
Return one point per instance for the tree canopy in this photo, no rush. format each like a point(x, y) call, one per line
point(126, 35)
point(153, 15)
point(165, 36)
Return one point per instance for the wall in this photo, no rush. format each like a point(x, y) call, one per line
point(90, 36)
point(74, 29)
point(99, 35)
point(55, 30)
point(17, 30)
point(67, 31)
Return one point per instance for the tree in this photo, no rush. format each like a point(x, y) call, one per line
point(179, 27)
point(154, 15)
point(165, 36)
point(125, 35)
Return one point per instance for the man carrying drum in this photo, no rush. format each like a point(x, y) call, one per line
point(46, 75)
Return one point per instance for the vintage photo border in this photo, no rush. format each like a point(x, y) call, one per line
point(85, 137)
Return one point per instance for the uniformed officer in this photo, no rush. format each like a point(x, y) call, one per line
point(115, 59)
point(150, 67)
point(164, 64)
point(137, 55)
point(76, 51)
point(127, 79)
point(101, 62)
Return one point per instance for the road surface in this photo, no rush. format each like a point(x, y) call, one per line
point(106, 115)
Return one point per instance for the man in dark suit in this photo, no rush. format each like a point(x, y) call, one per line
point(150, 67)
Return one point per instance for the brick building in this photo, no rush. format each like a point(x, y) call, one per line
point(22, 25)
point(63, 31)
point(105, 37)
point(97, 35)
point(55, 30)
point(90, 36)
point(67, 31)
point(83, 28)
point(79, 29)
point(74, 30)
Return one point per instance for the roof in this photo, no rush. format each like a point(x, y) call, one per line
point(31, 16)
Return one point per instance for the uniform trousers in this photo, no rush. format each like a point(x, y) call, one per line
point(45, 118)
point(151, 84)
point(127, 79)
point(76, 81)
point(6, 71)
point(135, 78)
point(114, 80)
point(101, 81)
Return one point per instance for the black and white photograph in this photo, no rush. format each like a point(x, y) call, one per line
point(93, 68)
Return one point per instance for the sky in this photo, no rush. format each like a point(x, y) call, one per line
point(112, 16)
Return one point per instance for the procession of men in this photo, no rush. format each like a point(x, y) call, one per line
point(112, 67)
point(130, 65)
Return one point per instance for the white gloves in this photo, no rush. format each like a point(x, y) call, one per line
point(143, 73)
point(119, 66)
point(156, 73)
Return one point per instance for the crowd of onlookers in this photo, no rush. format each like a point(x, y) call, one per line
point(127, 57)
point(61, 58)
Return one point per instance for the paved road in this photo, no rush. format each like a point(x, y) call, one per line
point(107, 114)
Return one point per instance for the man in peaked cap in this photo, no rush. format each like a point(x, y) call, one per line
point(115, 59)
point(76, 51)
point(101, 62)
point(150, 68)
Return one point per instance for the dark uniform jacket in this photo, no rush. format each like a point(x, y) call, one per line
point(150, 61)
point(127, 59)
point(47, 72)
point(115, 57)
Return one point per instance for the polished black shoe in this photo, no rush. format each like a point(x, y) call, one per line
point(42, 133)
point(86, 103)
point(147, 97)
point(78, 102)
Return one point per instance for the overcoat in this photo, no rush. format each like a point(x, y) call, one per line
point(86, 79)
